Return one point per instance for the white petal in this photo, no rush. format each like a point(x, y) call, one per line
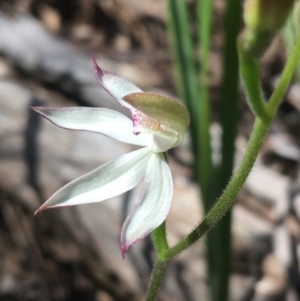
point(107, 181)
point(100, 120)
point(115, 85)
point(154, 205)
point(163, 141)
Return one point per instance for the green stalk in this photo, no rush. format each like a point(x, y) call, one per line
point(159, 238)
point(228, 197)
point(187, 82)
point(250, 73)
point(156, 280)
point(289, 34)
point(260, 129)
point(285, 79)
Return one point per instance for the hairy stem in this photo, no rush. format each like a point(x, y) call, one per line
point(228, 197)
point(260, 129)
point(159, 237)
point(156, 280)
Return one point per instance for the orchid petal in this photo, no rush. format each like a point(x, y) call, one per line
point(109, 180)
point(100, 120)
point(163, 141)
point(154, 205)
point(158, 112)
point(115, 85)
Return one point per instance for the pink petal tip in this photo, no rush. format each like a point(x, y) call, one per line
point(41, 209)
point(125, 248)
point(37, 109)
point(97, 69)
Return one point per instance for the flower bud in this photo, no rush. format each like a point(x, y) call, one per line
point(262, 19)
point(266, 15)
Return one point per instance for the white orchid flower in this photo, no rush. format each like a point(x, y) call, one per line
point(158, 124)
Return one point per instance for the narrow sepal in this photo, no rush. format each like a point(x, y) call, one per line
point(99, 120)
point(154, 204)
point(114, 84)
point(107, 181)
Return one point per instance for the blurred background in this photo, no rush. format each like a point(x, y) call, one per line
point(73, 253)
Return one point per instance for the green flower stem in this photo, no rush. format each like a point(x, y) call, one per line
point(160, 240)
point(156, 280)
point(250, 73)
point(228, 197)
point(260, 129)
point(285, 79)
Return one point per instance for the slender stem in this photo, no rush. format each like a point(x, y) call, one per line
point(156, 280)
point(160, 239)
point(250, 73)
point(285, 79)
point(289, 36)
point(260, 129)
point(228, 197)
point(161, 245)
